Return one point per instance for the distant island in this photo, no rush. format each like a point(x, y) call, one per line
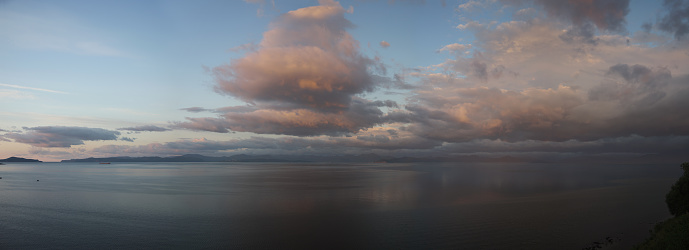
point(18, 159)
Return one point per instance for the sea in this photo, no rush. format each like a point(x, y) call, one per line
point(331, 205)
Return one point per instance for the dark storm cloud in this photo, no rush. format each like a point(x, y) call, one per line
point(59, 136)
point(148, 128)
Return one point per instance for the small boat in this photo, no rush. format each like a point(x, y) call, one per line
point(104, 163)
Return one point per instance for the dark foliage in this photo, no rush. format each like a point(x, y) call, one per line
point(674, 232)
point(678, 198)
point(669, 235)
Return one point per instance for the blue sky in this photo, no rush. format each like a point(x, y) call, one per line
point(90, 79)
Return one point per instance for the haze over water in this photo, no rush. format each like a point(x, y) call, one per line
point(308, 205)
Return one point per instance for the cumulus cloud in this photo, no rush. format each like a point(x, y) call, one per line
point(148, 128)
point(642, 101)
point(307, 59)
point(584, 33)
point(562, 86)
point(384, 44)
point(606, 15)
point(539, 53)
point(464, 114)
point(676, 18)
point(59, 136)
point(468, 6)
point(565, 84)
point(303, 79)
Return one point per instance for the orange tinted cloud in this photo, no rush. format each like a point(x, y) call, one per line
point(304, 76)
point(361, 114)
point(307, 59)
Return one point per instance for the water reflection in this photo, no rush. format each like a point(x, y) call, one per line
point(220, 205)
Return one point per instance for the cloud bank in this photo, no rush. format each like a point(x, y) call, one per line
point(148, 128)
point(59, 136)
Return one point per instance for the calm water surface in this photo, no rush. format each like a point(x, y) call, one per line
point(347, 206)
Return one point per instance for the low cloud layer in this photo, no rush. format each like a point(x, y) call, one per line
point(147, 128)
point(387, 144)
point(361, 114)
point(381, 140)
point(58, 136)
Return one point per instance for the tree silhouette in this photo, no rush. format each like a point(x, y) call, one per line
point(678, 198)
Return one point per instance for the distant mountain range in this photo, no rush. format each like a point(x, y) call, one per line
point(234, 158)
point(18, 159)
point(651, 158)
point(295, 158)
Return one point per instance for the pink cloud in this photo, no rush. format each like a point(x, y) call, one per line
point(302, 79)
point(384, 44)
point(307, 59)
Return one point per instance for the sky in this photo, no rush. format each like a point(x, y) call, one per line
point(524, 78)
